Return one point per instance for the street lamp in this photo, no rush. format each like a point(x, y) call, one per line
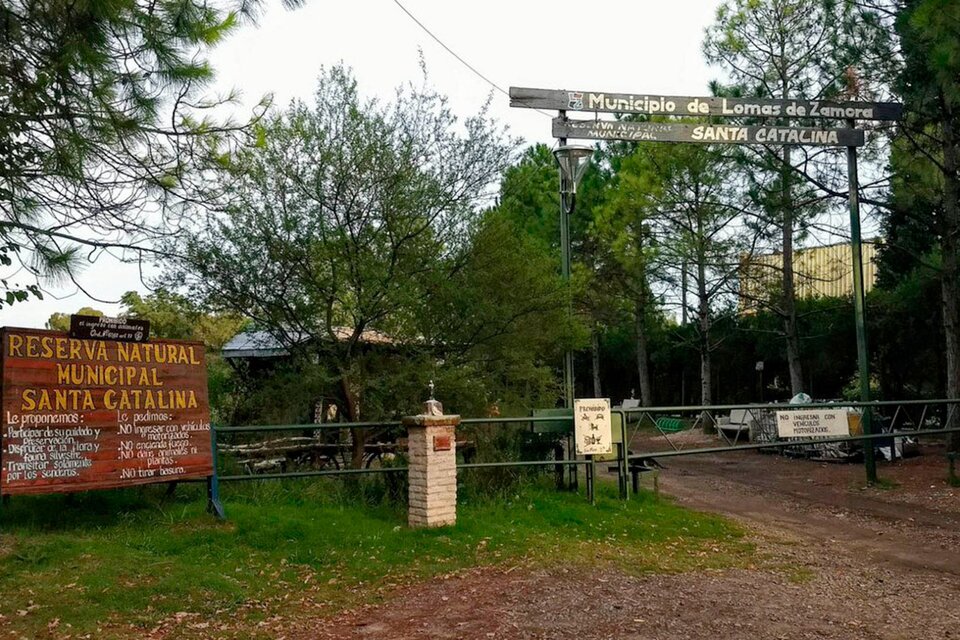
point(573, 161)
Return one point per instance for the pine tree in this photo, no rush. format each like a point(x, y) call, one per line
point(102, 125)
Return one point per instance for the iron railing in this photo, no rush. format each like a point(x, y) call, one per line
point(895, 419)
point(562, 464)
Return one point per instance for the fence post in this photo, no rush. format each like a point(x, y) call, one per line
point(214, 505)
point(592, 480)
point(622, 452)
point(432, 471)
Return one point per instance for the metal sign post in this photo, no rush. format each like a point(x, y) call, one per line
point(756, 109)
point(859, 310)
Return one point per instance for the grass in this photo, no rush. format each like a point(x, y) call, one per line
point(882, 484)
point(112, 564)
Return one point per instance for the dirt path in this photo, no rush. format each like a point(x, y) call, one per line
point(834, 561)
point(823, 504)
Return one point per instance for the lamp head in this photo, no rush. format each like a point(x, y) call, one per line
point(573, 160)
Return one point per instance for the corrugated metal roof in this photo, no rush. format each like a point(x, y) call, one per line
point(262, 344)
point(254, 344)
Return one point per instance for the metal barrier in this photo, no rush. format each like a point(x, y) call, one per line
point(906, 418)
point(899, 423)
point(568, 464)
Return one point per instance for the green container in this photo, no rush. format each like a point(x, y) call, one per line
point(560, 427)
point(670, 425)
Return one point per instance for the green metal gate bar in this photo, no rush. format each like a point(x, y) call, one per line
point(337, 426)
point(649, 413)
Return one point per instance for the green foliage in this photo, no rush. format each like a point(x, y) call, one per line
point(501, 320)
point(100, 116)
point(852, 391)
point(376, 263)
point(906, 335)
point(61, 321)
point(927, 196)
point(530, 196)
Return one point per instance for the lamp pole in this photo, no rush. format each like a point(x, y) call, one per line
point(573, 161)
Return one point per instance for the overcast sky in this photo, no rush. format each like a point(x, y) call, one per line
point(632, 47)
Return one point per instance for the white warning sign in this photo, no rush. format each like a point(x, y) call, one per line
point(804, 423)
point(592, 426)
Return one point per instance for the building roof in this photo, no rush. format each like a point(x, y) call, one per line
point(263, 344)
point(254, 344)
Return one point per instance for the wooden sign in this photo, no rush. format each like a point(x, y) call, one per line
point(103, 328)
point(704, 133)
point(96, 414)
point(600, 101)
point(592, 427)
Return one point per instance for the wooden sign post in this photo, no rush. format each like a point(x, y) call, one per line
point(81, 414)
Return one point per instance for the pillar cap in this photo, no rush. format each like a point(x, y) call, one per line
point(431, 421)
point(432, 407)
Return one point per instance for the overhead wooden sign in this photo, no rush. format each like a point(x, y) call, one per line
point(704, 133)
point(103, 328)
point(96, 414)
point(600, 101)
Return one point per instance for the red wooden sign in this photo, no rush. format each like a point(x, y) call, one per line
point(96, 414)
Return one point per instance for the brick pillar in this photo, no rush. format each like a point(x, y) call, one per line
point(432, 452)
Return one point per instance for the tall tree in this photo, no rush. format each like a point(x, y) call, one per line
point(688, 208)
point(350, 223)
point(786, 49)
point(102, 126)
point(530, 198)
point(623, 224)
point(927, 165)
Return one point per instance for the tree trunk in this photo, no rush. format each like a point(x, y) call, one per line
point(643, 359)
point(703, 327)
point(789, 304)
point(357, 436)
point(949, 283)
point(595, 361)
point(706, 372)
point(683, 292)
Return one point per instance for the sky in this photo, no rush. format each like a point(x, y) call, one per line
point(643, 46)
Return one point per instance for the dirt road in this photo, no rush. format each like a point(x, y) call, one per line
point(915, 524)
point(835, 560)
